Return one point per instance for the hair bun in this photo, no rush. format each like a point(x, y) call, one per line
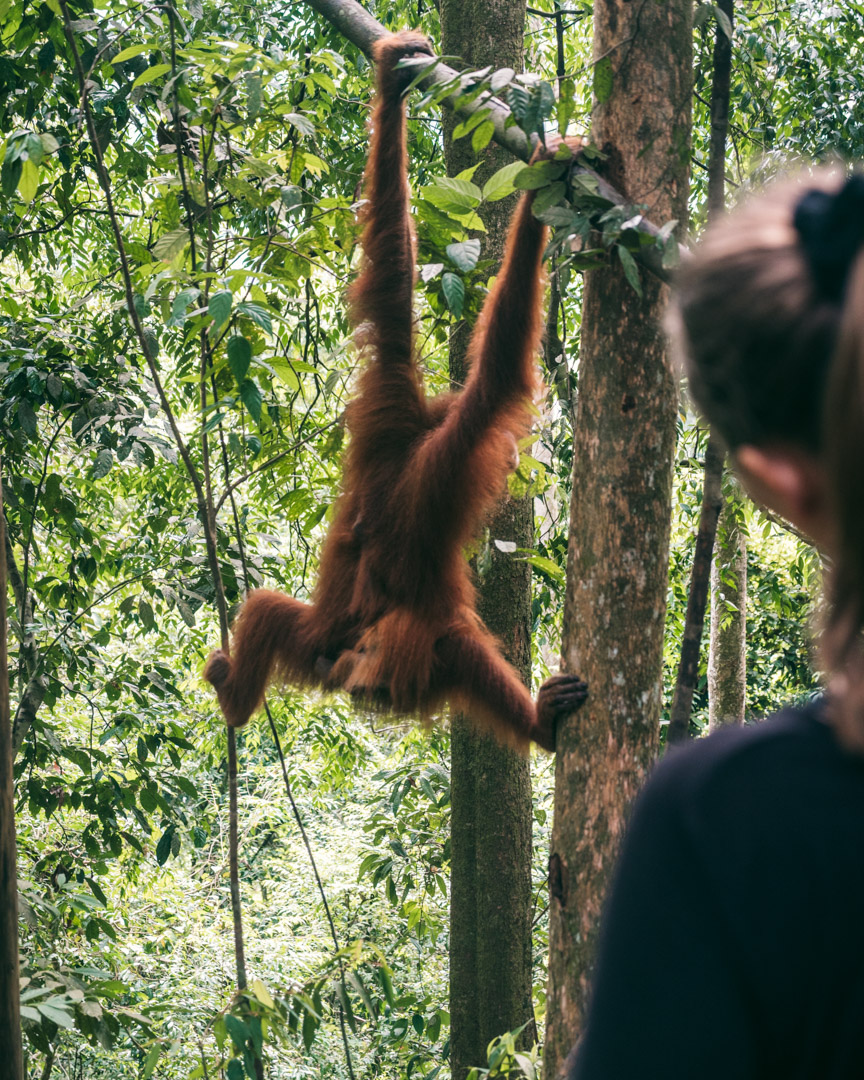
point(830, 228)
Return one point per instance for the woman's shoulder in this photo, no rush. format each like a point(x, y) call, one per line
point(787, 768)
point(791, 732)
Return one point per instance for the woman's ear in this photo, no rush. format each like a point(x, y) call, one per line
point(790, 482)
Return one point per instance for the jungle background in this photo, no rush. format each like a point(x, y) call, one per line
point(234, 137)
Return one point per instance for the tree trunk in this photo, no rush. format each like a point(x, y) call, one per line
point(10, 1018)
point(490, 905)
point(712, 483)
point(727, 654)
point(697, 597)
point(621, 504)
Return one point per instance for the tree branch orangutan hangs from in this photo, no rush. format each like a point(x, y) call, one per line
point(393, 620)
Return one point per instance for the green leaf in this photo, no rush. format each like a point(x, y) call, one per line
point(33, 148)
point(149, 800)
point(151, 74)
point(482, 136)
point(547, 566)
point(27, 418)
point(102, 465)
point(10, 173)
point(310, 1026)
point(464, 255)
point(547, 100)
point(262, 993)
point(58, 1016)
point(151, 342)
point(258, 314)
point(603, 80)
point(526, 1065)
point(452, 195)
point(723, 21)
point(253, 96)
point(46, 55)
point(303, 124)
point(181, 302)
point(250, 395)
point(239, 356)
point(533, 177)
point(418, 1023)
point(127, 54)
point(150, 1060)
point(219, 307)
point(387, 986)
point(548, 197)
point(468, 125)
point(145, 614)
point(557, 216)
point(500, 184)
point(631, 270)
point(170, 244)
point(97, 891)
point(454, 292)
point(430, 270)
point(701, 15)
point(163, 848)
point(235, 1070)
point(28, 183)
point(501, 78)
point(186, 786)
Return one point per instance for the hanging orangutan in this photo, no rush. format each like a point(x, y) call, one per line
point(393, 617)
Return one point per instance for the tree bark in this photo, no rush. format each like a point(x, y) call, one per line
point(712, 483)
point(10, 1017)
point(490, 884)
point(727, 653)
point(697, 598)
point(621, 504)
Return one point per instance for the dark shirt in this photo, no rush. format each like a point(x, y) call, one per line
point(733, 941)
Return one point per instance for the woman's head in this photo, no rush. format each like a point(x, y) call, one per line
point(769, 317)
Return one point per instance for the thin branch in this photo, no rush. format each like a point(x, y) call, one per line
point(234, 484)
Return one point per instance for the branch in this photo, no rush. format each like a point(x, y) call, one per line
point(34, 692)
point(360, 28)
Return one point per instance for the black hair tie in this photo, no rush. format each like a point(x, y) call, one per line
point(831, 231)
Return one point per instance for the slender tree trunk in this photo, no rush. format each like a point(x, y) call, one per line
point(712, 484)
point(10, 1018)
point(697, 598)
point(490, 906)
point(727, 653)
point(621, 505)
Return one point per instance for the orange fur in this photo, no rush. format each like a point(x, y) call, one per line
point(393, 616)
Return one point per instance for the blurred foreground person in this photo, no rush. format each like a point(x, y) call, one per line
point(733, 942)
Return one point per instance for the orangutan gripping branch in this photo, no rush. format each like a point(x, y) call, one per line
point(393, 620)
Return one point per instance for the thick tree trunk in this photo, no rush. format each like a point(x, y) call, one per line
point(619, 533)
point(490, 906)
point(727, 654)
point(10, 1018)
